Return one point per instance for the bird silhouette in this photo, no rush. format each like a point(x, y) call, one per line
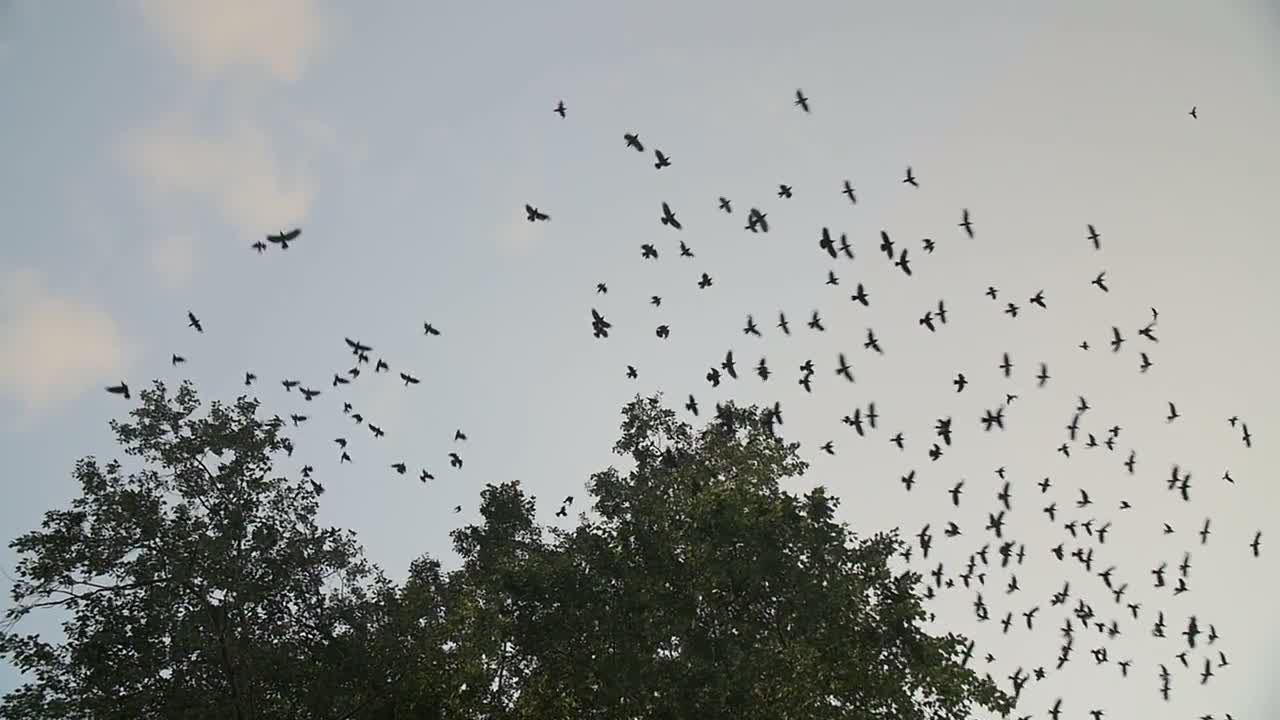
point(284, 238)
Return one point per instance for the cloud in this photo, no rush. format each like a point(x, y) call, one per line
point(172, 258)
point(51, 347)
point(239, 171)
point(280, 36)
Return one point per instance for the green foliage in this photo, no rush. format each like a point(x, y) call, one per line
point(191, 591)
point(699, 588)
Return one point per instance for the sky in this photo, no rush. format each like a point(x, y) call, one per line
point(147, 144)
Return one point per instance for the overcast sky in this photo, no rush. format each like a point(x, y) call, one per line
point(147, 144)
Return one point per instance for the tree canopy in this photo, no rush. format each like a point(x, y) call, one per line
point(200, 586)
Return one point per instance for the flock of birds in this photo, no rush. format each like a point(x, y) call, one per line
point(1083, 531)
point(341, 378)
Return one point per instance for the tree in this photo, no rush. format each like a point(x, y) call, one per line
point(195, 591)
point(703, 590)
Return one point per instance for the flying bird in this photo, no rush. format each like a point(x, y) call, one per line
point(801, 101)
point(533, 214)
point(284, 238)
point(669, 218)
point(121, 389)
point(559, 109)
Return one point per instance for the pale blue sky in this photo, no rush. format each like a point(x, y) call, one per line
point(146, 144)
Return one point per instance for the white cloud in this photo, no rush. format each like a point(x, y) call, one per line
point(280, 36)
point(172, 257)
point(51, 347)
point(239, 171)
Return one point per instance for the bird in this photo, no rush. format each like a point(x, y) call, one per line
point(357, 347)
point(284, 238)
point(1193, 113)
point(599, 325)
point(966, 224)
point(801, 101)
point(260, 246)
point(910, 179)
point(1173, 413)
point(429, 329)
point(633, 141)
point(122, 389)
point(872, 343)
point(1101, 281)
point(194, 322)
point(886, 245)
point(843, 368)
point(1116, 339)
point(848, 192)
point(1095, 237)
point(784, 191)
point(559, 109)
point(826, 243)
point(725, 205)
point(533, 214)
point(662, 160)
point(669, 218)
point(408, 379)
point(729, 366)
point(903, 263)
point(177, 359)
point(1255, 546)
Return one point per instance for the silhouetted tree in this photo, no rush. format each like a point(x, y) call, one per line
point(702, 590)
point(200, 587)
